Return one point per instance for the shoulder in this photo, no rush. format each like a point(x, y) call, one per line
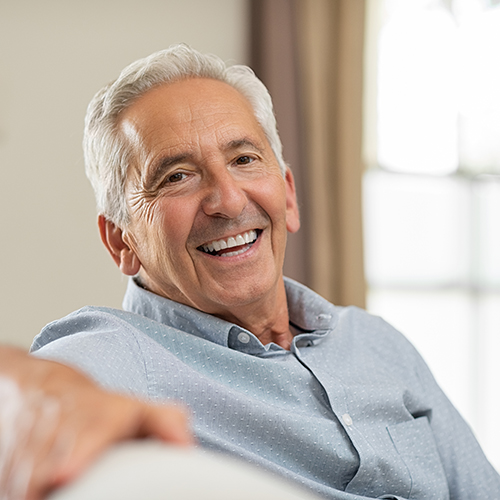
point(367, 327)
point(375, 340)
point(91, 320)
point(109, 345)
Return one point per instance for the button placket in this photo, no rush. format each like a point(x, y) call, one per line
point(347, 419)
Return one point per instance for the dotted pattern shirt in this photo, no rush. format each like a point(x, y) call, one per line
point(351, 411)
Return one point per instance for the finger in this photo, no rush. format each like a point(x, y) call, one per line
point(169, 423)
point(122, 418)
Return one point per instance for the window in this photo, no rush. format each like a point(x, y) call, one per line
point(432, 192)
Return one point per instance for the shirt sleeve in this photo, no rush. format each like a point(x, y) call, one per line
point(469, 473)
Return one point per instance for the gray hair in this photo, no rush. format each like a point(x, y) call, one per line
point(107, 155)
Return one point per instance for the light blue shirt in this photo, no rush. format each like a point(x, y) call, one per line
point(351, 411)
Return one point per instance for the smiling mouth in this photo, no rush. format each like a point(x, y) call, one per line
point(234, 245)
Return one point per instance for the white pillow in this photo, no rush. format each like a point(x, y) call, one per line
point(150, 470)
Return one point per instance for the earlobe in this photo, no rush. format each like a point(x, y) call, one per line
point(292, 208)
point(121, 252)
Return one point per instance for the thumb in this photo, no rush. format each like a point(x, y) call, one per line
point(170, 423)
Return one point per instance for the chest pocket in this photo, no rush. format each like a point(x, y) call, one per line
point(415, 444)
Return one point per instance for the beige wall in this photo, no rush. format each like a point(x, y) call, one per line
point(54, 55)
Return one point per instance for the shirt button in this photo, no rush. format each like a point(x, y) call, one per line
point(347, 419)
point(244, 338)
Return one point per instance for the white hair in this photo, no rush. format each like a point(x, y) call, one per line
point(107, 155)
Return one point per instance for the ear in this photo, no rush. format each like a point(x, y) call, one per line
point(113, 239)
point(292, 208)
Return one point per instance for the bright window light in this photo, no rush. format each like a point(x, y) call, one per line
point(432, 200)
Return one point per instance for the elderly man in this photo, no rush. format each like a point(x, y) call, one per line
point(195, 202)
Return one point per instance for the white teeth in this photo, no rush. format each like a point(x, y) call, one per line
point(231, 254)
point(233, 241)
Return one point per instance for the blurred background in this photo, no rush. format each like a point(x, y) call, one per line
point(389, 112)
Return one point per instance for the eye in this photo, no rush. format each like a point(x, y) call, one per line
point(178, 176)
point(244, 160)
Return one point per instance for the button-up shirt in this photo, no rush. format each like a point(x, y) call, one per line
point(351, 411)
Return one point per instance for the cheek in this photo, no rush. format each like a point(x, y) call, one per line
point(171, 223)
point(271, 196)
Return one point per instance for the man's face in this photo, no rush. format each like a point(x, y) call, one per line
point(209, 206)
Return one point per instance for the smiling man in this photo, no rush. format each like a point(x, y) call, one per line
point(195, 202)
point(209, 206)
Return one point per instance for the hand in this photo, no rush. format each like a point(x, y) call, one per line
point(54, 421)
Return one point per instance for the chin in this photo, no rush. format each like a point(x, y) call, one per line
point(239, 295)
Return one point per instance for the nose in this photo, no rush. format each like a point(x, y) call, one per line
point(224, 196)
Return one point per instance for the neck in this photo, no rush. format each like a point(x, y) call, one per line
point(267, 317)
point(268, 320)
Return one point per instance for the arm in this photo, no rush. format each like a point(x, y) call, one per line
point(54, 421)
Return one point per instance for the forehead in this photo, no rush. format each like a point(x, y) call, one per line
point(186, 112)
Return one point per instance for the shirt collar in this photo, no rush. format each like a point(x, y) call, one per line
point(176, 315)
point(311, 316)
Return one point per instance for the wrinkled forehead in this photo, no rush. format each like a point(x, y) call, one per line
point(184, 102)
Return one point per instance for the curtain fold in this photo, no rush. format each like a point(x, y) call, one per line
point(310, 55)
point(274, 59)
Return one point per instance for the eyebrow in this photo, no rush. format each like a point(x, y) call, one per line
point(157, 172)
point(241, 143)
